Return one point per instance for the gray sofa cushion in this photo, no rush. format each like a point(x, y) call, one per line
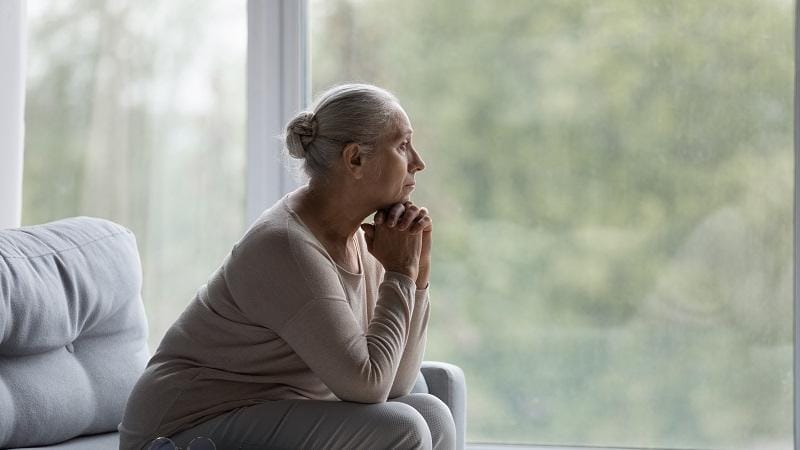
point(106, 441)
point(73, 334)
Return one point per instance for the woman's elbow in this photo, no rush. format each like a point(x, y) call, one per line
point(364, 394)
point(366, 383)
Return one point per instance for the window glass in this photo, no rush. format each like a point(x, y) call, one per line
point(612, 188)
point(135, 113)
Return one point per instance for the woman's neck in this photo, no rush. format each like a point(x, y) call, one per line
point(327, 211)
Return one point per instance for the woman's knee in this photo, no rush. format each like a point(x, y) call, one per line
point(405, 426)
point(437, 416)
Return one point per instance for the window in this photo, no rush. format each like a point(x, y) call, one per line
point(612, 186)
point(611, 183)
point(135, 113)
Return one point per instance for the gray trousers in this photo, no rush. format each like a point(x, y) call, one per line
point(414, 421)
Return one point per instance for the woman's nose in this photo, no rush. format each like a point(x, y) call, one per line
point(417, 163)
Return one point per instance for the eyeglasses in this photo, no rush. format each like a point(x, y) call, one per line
point(198, 443)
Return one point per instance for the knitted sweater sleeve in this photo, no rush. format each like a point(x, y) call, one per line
point(415, 347)
point(286, 282)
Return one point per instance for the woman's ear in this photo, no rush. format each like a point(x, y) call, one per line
point(353, 160)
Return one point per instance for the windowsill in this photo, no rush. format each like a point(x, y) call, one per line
point(485, 446)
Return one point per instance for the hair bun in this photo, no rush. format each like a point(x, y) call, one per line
point(300, 132)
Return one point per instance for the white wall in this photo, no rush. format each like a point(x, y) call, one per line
point(13, 41)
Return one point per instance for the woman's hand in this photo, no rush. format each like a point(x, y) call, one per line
point(409, 217)
point(397, 250)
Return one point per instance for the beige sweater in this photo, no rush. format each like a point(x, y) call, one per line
point(281, 320)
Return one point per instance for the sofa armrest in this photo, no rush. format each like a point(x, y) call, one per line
point(446, 382)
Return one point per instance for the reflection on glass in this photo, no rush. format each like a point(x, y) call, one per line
point(612, 189)
point(135, 113)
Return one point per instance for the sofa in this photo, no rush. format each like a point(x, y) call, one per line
point(73, 336)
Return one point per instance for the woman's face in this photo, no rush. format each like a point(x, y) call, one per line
point(396, 161)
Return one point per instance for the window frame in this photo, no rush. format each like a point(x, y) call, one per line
point(278, 86)
point(796, 290)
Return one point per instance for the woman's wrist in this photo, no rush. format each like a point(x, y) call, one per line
point(407, 271)
point(422, 276)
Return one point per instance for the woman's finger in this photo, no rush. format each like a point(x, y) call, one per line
point(368, 230)
point(394, 213)
point(379, 217)
point(411, 214)
point(423, 223)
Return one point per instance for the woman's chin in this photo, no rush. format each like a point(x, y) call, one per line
point(406, 193)
point(402, 196)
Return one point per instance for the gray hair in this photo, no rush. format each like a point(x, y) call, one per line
point(343, 114)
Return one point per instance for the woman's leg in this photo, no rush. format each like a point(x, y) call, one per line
point(438, 417)
point(307, 424)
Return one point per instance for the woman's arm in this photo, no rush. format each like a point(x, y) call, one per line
point(415, 347)
point(418, 330)
point(355, 366)
point(284, 281)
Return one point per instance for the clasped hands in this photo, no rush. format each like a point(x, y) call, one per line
point(400, 239)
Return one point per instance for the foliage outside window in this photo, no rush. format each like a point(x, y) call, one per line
point(135, 113)
point(611, 183)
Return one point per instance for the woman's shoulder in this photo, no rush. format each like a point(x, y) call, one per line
point(275, 224)
point(278, 234)
point(275, 255)
point(264, 233)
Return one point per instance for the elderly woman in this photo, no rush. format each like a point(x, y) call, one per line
point(311, 333)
